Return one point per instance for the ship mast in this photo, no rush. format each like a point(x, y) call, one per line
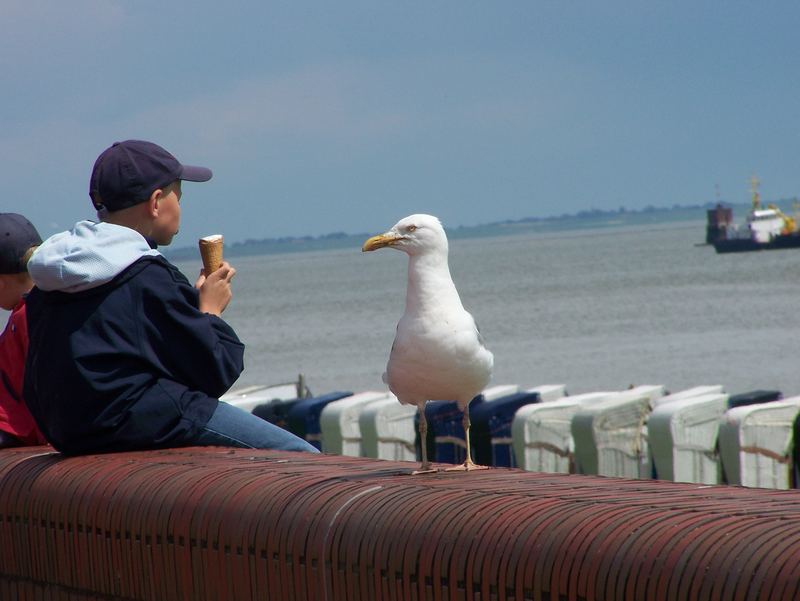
point(754, 181)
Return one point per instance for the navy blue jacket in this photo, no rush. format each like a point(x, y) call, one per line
point(129, 364)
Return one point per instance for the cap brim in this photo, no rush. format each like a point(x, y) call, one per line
point(190, 173)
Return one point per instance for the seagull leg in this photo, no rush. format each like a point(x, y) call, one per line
point(468, 465)
point(425, 468)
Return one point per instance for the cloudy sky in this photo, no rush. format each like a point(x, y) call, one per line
point(327, 116)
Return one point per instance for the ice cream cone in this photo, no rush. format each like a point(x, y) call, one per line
point(211, 252)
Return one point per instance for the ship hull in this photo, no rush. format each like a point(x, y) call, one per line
point(734, 245)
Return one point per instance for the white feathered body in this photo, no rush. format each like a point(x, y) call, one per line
point(437, 353)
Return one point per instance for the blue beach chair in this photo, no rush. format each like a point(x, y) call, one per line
point(490, 433)
point(446, 431)
point(276, 412)
point(753, 397)
point(302, 417)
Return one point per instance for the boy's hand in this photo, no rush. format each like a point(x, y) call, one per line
point(215, 289)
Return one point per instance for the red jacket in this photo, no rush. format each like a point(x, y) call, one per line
point(14, 415)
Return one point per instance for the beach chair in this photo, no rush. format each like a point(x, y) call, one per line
point(275, 412)
point(610, 435)
point(250, 397)
point(387, 430)
point(303, 416)
point(682, 436)
point(339, 423)
point(549, 392)
point(689, 393)
point(755, 442)
point(445, 427)
point(754, 397)
point(542, 436)
point(491, 421)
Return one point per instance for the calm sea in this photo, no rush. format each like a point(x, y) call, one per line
point(593, 309)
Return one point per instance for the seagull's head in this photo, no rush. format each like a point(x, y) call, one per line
point(415, 235)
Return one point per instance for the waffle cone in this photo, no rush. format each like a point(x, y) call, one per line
point(211, 252)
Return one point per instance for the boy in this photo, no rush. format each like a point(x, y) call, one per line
point(18, 238)
point(124, 352)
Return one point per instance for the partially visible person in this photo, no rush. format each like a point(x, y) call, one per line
point(124, 352)
point(18, 239)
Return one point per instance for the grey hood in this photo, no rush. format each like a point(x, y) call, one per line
point(89, 255)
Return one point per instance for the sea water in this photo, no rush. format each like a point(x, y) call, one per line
point(598, 309)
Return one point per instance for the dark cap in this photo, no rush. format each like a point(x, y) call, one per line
point(17, 236)
point(130, 171)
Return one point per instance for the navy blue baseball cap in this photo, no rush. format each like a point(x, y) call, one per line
point(128, 172)
point(17, 236)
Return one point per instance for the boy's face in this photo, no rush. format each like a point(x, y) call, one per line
point(12, 287)
point(169, 214)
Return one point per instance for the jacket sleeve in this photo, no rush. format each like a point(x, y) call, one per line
point(13, 351)
point(194, 348)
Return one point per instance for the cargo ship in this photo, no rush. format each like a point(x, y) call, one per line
point(766, 228)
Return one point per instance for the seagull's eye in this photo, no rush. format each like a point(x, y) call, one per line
point(411, 228)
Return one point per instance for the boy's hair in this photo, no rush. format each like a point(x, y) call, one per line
point(27, 257)
point(23, 276)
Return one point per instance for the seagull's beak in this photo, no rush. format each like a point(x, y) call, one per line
point(379, 241)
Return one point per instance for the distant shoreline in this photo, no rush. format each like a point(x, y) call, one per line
point(592, 219)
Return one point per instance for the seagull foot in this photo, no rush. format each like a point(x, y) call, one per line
point(424, 469)
point(467, 466)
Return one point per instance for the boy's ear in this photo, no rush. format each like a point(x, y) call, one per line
point(152, 203)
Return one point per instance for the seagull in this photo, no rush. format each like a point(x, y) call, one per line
point(438, 352)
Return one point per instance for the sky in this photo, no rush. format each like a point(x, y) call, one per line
point(345, 116)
